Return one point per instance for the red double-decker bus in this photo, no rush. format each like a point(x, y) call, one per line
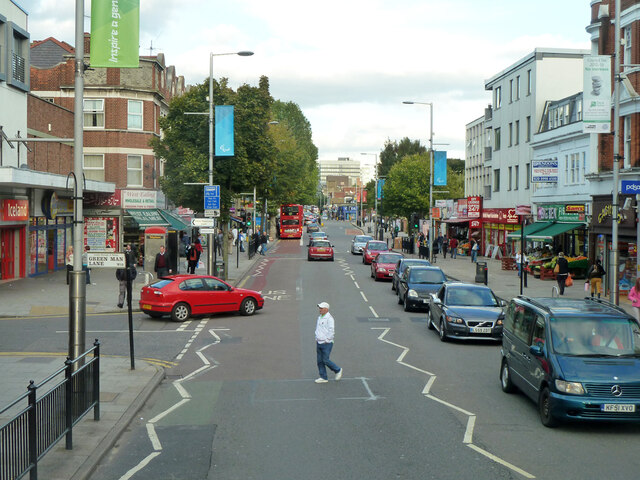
point(291, 221)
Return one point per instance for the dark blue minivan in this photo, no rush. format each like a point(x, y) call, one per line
point(577, 359)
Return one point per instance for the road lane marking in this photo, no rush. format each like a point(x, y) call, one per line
point(155, 441)
point(373, 311)
point(471, 420)
point(365, 298)
point(140, 466)
point(356, 284)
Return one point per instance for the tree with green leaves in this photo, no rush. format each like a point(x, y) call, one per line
point(393, 152)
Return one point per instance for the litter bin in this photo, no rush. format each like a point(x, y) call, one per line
point(218, 269)
point(482, 272)
point(369, 229)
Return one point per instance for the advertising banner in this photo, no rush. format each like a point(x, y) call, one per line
point(224, 131)
point(440, 168)
point(379, 193)
point(596, 117)
point(115, 33)
point(544, 171)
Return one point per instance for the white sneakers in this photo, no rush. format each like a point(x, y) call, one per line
point(321, 380)
point(339, 375)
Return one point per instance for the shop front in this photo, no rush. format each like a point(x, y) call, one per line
point(600, 236)
point(497, 224)
point(14, 219)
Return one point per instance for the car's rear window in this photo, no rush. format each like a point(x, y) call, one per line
point(161, 283)
point(320, 243)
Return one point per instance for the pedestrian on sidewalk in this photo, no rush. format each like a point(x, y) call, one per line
point(85, 265)
point(474, 251)
point(69, 261)
point(192, 259)
point(594, 276)
point(325, 332)
point(445, 246)
point(562, 267)
point(634, 296)
point(121, 275)
point(521, 261)
point(453, 245)
point(162, 266)
point(241, 238)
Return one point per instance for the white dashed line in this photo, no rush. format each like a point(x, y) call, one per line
point(365, 298)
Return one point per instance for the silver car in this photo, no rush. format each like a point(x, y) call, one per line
point(358, 243)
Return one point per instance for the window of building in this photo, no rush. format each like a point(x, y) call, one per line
point(496, 143)
point(584, 166)
point(575, 168)
point(510, 178)
point(529, 80)
point(510, 91)
point(566, 170)
point(93, 113)
point(528, 183)
point(497, 101)
point(511, 134)
point(516, 179)
point(528, 130)
point(94, 167)
point(516, 140)
point(627, 46)
point(579, 110)
point(496, 180)
point(134, 115)
point(134, 170)
point(17, 56)
point(627, 142)
point(518, 87)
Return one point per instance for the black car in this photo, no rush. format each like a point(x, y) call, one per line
point(416, 285)
point(402, 265)
point(466, 311)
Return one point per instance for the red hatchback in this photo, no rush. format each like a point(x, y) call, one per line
point(184, 295)
point(320, 250)
point(371, 249)
point(384, 265)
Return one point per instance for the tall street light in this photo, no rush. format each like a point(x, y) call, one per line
point(430, 104)
point(375, 191)
point(210, 245)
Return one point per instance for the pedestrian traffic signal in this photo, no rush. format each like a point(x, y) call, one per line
point(248, 219)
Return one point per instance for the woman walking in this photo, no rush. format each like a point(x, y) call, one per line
point(634, 296)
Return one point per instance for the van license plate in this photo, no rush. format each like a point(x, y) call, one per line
point(480, 329)
point(618, 407)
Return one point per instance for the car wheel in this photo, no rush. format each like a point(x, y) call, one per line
point(544, 408)
point(430, 321)
point(248, 307)
point(180, 312)
point(407, 308)
point(331, 259)
point(308, 258)
point(505, 378)
point(443, 335)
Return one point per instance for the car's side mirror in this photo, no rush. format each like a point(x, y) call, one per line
point(536, 350)
point(436, 300)
point(503, 303)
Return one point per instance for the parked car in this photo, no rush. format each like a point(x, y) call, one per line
point(358, 243)
point(416, 285)
point(182, 296)
point(320, 250)
point(577, 359)
point(402, 265)
point(383, 265)
point(466, 311)
point(371, 249)
point(313, 227)
point(313, 236)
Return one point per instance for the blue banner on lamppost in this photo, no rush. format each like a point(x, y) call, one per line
point(440, 168)
point(224, 131)
point(379, 193)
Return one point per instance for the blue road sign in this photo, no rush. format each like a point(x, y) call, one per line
point(631, 186)
point(212, 197)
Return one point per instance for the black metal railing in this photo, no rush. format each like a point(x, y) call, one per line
point(30, 433)
point(253, 248)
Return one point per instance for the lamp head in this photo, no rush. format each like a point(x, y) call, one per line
point(407, 102)
point(245, 53)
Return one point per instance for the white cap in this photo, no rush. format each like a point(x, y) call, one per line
point(323, 305)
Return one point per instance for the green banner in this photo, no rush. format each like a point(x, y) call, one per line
point(115, 33)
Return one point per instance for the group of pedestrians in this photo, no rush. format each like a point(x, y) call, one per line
point(85, 263)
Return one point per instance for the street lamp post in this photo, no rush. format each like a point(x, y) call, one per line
point(375, 191)
point(430, 172)
point(210, 241)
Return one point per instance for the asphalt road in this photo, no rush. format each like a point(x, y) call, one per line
point(240, 403)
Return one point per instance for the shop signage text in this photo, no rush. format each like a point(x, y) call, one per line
point(139, 199)
point(544, 171)
point(15, 210)
point(105, 260)
point(474, 207)
point(500, 215)
point(562, 213)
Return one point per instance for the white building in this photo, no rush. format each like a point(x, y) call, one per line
point(477, 176)
point(342, 166)
point(519, 96)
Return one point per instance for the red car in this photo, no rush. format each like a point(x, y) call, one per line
point(384, 265)
point(184, 295)
point(371, 249)
point(320, 250)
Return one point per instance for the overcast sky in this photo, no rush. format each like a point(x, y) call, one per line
point(349, 64)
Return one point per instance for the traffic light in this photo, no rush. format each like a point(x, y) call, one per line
point(248, 219)
point(415, 220)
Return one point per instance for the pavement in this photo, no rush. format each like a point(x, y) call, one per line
point(123, 391)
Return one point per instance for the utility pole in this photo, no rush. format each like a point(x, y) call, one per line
point(615, 207)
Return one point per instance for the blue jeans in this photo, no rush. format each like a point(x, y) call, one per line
point(474, 255)
point(87, 273)
point(323, 350)
point(263, 251)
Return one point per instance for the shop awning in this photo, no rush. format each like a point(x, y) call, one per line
point(175, 221)
point(528, 230)
point(148, 217)
point(554, 230)
point(458, 220)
